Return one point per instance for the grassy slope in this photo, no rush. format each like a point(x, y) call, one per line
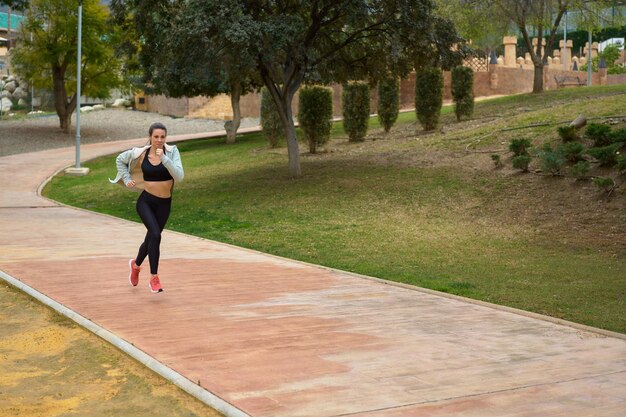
point(413, 208)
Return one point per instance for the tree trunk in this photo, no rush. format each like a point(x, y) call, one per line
point(292, 141)
point(61, 104)
point(233, 126)
point(538, 79)
point(312, 146)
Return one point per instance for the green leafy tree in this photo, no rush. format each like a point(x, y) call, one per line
point(463, 91)
point(311, 40)
point(541, 17)
point(428, 96)
point(356, 110)
point(315, 115)
point(47, 52)
point(215, 64)
point(16, 4)
point(388, 102)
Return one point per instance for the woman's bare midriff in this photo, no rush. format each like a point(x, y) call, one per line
point(161, 189)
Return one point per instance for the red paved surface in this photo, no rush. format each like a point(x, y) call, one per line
point(279, 338)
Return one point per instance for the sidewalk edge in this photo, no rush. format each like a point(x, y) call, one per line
point(169, 374)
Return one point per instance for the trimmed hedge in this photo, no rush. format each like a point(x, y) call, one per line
point(463, 91)
point(270, 120)
point(356, 110)
point(388, 102)
point(315, 115)
point(428, 96)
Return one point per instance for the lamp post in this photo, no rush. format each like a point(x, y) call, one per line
point(77, 170)
point(78, 65)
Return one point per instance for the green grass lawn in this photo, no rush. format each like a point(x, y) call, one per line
point(411, 207)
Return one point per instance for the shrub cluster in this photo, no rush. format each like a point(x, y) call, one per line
point(428, 96)
point(388, 102)
point(599, 134)
point(568, 133)
point(315, 115)
point(356, 110)
point(519, 146)
point(270, 120)
point(552, 160)
point(463, 91)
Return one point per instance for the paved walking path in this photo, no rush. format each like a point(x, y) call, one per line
point(276, 338)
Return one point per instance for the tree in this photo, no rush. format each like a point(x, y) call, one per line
point(317, 41)
point(47, 52)
point(542, 17)
point(15, 4)
point(214, 65)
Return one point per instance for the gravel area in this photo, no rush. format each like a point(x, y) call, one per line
point(38, 133)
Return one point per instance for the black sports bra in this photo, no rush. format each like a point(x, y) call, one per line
point(154, 172)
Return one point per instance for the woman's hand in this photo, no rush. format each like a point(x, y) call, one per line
point(130, 184)
point(159, 153)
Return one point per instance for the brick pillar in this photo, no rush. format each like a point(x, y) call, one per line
point(603, 76)
point(493, 76)
point(510, 50)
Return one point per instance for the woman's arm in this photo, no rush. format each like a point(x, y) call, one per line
point(173, 164)
point(122, 162)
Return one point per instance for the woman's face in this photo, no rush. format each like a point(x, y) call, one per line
point(157, 139)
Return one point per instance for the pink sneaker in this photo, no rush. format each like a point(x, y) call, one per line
point(155, 284)
point(133, 277)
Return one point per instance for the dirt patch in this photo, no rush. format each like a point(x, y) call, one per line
point(51, 367)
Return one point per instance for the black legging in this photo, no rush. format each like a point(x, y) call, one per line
point(154, 212)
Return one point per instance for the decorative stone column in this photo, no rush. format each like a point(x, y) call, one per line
point(568, 52)
point(510, 50)
point(520, 62)
point(527, 59)
point(594, 49)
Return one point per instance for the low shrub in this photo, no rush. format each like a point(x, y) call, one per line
point(521, 162)
point(388, 102)
point(606, 184)
point(519, 146)
point(572, 151)
point(580, 169)
point(497, 161)
point(568, 133)
point(606, 155)
point(599, 133)
point(551, 160)
point(356, 110)
point(270, 120)
point(621, 163)
point(618, 136)
point(315, 115)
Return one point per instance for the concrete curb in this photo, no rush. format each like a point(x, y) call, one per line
point(169, 374)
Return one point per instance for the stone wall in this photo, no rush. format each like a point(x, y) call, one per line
point(500, 80)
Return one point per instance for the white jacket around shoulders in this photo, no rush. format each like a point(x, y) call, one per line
point(128, 169)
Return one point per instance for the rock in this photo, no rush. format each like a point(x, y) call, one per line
point(99, 107)
point(20, 93)
point(579, 122)
point(22, 102)
point(121, 102)
point(10, 86)
point(86, 109)
point(6, 94)
point(5, 105)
